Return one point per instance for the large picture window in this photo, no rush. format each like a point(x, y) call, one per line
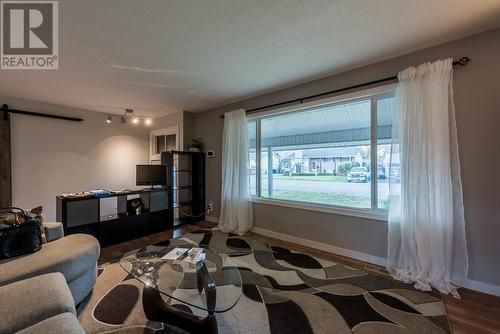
point(326, 153)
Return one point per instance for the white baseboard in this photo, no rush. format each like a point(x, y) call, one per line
point(482, 287)
point(469, 284)
point(322, 246)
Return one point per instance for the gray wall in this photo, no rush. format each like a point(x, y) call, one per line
point(477, 101)
point(188, 131)
point(50, 157)
point(168, 121)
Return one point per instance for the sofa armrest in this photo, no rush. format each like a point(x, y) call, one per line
point(53, 231)
point(32, 300)
point(64, 323)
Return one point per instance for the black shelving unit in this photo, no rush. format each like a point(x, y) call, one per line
point(83, 215)
point(186, 185)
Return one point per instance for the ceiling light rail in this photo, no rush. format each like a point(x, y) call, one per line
point(460, 62)
point(6, 111)
point(129, 115)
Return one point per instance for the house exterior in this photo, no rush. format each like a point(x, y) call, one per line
point(320, 160)
point(328, 160)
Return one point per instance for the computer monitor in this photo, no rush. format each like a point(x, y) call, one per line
point(150, 175)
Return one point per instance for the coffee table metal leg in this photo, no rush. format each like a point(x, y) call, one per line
point(157, 310)
point(199, 281)
point(206, 283)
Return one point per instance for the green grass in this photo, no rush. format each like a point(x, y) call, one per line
point(327, 198)
point(321, 198)
point(383, 204)
point(320, 178)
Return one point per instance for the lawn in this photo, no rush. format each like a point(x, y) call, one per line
point(320, 178)
point(322, 198)
point(340, 194)
point(327, 198)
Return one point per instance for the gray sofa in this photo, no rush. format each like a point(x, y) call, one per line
point(39, 291)
point(75, 256)
point(41, 304)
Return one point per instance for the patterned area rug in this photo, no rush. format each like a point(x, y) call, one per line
point(283, 292)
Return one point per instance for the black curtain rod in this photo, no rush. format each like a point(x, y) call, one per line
point(460, 62)
point(6, 111)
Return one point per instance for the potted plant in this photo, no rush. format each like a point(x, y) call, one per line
point(196, 145)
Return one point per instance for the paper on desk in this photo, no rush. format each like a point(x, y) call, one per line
point(174, 254)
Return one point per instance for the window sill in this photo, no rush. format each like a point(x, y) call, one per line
point(380, 215)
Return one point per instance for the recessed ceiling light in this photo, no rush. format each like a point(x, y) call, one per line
point(135, 120)
point(148, 121)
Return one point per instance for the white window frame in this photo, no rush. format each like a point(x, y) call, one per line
point(370, 213)
point(172, 130)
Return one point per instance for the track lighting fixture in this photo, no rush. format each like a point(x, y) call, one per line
point(129, 115)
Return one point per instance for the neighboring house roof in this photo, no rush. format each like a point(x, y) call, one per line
point(288, 155)
point(337, 152)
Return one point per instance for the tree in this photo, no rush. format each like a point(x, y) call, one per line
point(345, 167)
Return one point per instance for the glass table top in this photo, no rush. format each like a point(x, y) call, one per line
point(177, 279)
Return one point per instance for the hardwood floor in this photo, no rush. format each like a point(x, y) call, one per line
point(111, 252)
point(475, 313)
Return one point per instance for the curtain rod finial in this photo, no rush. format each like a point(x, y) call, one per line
point(462, 61)
point(5, 109)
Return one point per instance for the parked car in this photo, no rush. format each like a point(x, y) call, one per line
point(380, 172)
point(358, 174)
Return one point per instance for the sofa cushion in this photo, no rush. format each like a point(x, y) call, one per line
point(53, 231)
point(30, 301)
point(65, 323)
point(72, 256)
point(83, 284)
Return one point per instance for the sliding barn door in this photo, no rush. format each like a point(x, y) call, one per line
point(5, 165)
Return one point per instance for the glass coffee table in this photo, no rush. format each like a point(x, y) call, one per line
point(212, 285)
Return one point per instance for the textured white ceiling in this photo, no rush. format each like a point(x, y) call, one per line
point(160, 57)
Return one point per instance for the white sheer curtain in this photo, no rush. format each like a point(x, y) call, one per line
point(427, 243)
point(236, 205)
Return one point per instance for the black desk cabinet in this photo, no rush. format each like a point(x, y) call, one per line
point(83, 215)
